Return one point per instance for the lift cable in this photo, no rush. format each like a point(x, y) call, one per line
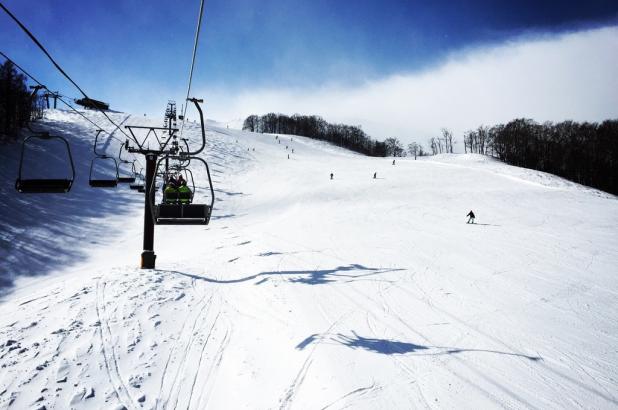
point(66, 103)
point(36, 41)
point(197, 37)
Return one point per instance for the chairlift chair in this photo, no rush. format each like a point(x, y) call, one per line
point(44, 185)
point(138, 184)
point(126, 178)
point(170, 212)
point(98, 182)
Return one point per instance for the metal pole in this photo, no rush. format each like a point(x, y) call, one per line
point(148, 255)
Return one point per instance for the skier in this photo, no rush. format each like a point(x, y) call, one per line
point(375, 175)
point(288, 156)
point(393, 162)
point(471, 217)
point(331, 175)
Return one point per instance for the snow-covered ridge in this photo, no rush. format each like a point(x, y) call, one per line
point(307, 292)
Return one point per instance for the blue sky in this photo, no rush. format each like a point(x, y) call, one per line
point(136, 54)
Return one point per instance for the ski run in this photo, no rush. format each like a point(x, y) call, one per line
point(310, 293)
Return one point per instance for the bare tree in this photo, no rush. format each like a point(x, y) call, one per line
point(413, 149)
point(447, 136)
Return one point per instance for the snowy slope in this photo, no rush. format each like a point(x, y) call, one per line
point(306, 292)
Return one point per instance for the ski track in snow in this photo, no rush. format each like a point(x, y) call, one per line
point(306, 292)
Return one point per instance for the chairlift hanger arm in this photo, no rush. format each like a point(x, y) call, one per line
point(96, 139)
point(199, 109)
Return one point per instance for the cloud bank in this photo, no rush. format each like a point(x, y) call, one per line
point(547, 78)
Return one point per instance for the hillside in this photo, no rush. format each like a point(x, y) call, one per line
point(307, 292)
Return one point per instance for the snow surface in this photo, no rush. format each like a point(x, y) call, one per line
point(311, 293)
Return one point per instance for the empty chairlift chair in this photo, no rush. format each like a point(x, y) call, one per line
point(125, 177)
point(138, 185)
point(98, 179)
point(180, 209)
point(107, 181)
point(44, 185)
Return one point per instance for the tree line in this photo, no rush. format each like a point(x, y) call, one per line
point(17, 107)
point(586, 153)
point(313, 126)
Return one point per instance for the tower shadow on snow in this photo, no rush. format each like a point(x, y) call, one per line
point(390, 347)
point(347, 273)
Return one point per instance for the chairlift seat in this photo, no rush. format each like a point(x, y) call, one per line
point(103, 183)
point(43, 186)
point(136, 187)
point(182, 214)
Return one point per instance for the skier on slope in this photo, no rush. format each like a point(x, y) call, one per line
point(471, 217)
point(331, 175)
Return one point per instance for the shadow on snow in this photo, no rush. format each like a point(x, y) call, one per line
point(40, 233)
point(309, 277)
point(389, 347)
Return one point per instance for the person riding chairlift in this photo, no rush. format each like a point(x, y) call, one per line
point(184, 192)
point(170, 190)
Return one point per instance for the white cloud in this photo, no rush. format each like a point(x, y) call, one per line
point(547, 78)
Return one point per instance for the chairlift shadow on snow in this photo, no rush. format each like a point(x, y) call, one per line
point(42, 233)
point(348, 273)
point(390, 347)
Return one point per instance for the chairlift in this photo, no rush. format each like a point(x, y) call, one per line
point(138, 184)
point(44, 185)
point(96, 181)
point(126, 178)
point(181, 210)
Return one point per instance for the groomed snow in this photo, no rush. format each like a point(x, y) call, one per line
point(311, 293)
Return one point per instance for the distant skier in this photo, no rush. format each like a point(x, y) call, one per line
point(375, 175)
point(288, 156)
point(331, 175)
point(292, 150)
point(471, 217)
point(393, 162)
